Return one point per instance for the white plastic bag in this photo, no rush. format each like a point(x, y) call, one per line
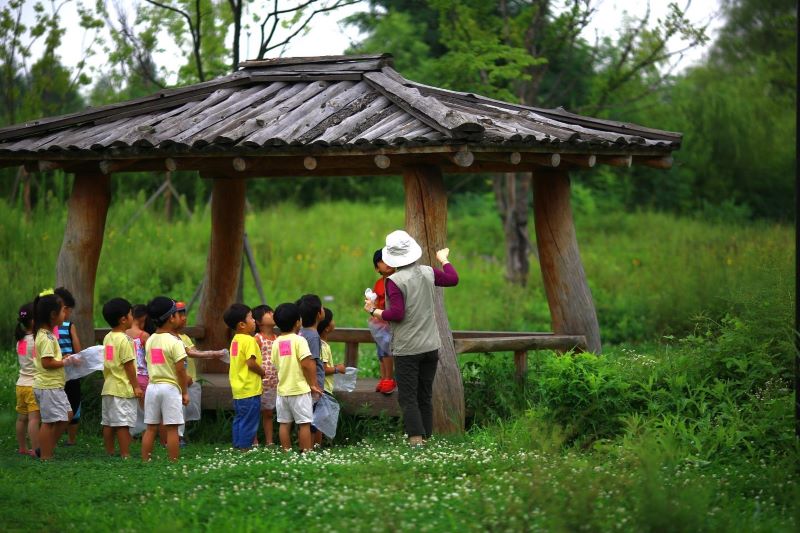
point(382, 333)
point(345, 382)
point(86, 362)
point(326, 415)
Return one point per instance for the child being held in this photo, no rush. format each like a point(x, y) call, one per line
point(27, 408)
point(297, 378)
point(380, 329)
point(265, 336)
point(245, 375)
point(324, 328)
point(48, 380)
point(167, 392)
point(121, 391)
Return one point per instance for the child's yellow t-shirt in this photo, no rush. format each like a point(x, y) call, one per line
point(162, 352)
point(117, 350)
point(191, 366)
point(327, 359)
point(46, 345)
point(244, 382)
point(287, 352)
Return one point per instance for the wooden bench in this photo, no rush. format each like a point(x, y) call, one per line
point(364, 400)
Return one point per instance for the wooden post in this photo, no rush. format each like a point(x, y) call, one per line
point(76, 268)
point(351, 354)
point(426, 221)
point(520, 365)
point(571, 306)
point(224, 264)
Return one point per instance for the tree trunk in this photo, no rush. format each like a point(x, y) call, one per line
point(571, 307)
point(426, 221)
point(76, 268)
point(224, 264)
point(511, 193)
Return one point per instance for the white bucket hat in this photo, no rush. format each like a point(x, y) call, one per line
point(401, 249)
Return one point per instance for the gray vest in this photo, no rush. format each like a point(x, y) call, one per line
point(417, 332)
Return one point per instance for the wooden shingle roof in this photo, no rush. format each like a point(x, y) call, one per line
point(320, 105)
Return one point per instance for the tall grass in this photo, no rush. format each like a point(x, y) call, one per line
point(650, 274)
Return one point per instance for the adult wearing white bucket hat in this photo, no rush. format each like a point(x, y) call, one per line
point(415, 337)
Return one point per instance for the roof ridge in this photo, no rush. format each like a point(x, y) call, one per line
point(368, 62)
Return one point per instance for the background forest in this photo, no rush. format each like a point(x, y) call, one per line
point(685, 423)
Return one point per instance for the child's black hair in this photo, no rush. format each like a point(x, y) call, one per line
point(234, 314)
point(326, 320)
point(44, 307)
point(310, 305)
point(24, 320)
point(377, 257)
point(66, 296)
point(259, 311)
point(139, 311)
point(286, 316)
point(115, 310)
point(159, 309)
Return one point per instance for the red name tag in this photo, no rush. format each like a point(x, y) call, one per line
point(234, 348)
point(157, 356)
point(285, 348)
point(109, 353)
point(22, 348)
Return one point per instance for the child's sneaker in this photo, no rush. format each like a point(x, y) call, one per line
point(389, 386)
point(379, 386)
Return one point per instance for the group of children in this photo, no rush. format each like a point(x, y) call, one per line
point(150, 376)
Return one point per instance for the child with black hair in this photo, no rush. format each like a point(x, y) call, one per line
point(27, 408)
point(325, 328)
point(70, 344)
point(245, 375)
point(265, 324)
point(380, 329)
point(297, 378)
point(311, 313)
point(167, 392)
point(121, 392)
point(48, 381)
point(140, 330)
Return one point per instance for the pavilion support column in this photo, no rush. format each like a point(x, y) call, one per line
point(224, 264)
point(426, 221)
point(571, 305)
point(76, 267)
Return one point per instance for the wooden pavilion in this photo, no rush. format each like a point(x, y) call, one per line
point(330, 116)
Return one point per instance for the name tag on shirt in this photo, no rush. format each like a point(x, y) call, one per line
point(234, 348)
point(157, 356)
point(285, 348)
point(22, 348)
point(109, 353)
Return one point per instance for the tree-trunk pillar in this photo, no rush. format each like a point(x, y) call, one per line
point(76, 268)
point(224, 264)
point(571, 306)
point(426, 221)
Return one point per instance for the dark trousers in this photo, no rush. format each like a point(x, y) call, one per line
point(247, 414)
point(73, 390)
point(414, 375)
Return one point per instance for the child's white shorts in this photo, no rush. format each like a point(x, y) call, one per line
point(53, 405)
point(298, 409)
point(119, 412)
point(162, 404)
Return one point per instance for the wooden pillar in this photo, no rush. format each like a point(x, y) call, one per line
point(571, 307)
point(426, 221)
point(224, 264)
point(76, 268)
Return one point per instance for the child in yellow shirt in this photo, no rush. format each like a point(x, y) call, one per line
point(297, 378)
point(121, 392)
point(245, 375)
point(27, 408)
point(167, 391)
point(325, 328)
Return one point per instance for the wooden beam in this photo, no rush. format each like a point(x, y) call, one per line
point(615, 160)
point(382, 161)
point(516, 344)
point(571, 306)
point(545, 160)
point(462, 158)
point(664, 163)
point(309, 162)
point(223, 265)
point(43, 165)
point(426, 221)
point(76, 267)
point(509, 158)
point(108, 166)
point(580, 160)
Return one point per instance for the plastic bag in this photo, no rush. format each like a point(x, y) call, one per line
point(345, 382)
point(191, 412)
point(326, 415)
point(87, 361)
point(382, 334)
point(226, 357)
